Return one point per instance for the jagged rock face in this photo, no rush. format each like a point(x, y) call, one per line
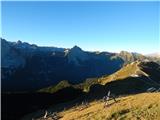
point(37, 67)
point(131, 57)
point(30, 67)
point(76, 54)
point(11, 58)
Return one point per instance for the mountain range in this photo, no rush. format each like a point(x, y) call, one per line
point(132, 78)
point(28, 67)
point(35, 77)
point(156, 55)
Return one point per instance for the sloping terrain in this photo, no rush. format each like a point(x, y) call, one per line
point(144, 106)
point(16, 105)
point(52, 89)
point(131, 57)
point(27, 67)
point(137, 69)
point(133, 77)
point(72, 74)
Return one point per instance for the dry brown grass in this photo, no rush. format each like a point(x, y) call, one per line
point(121, 74)
point(125, 72)
point(144, 106)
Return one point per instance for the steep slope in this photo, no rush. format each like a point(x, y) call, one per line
point(127, 108)
point(131, 57)
point(38, 67)
point(16, 105)
point(136, 69)
point(85, 86)
point(125, 83)
point(11, 60)
point(12, 57)
point(28, 67)
point(135, 77)
point(76, 55)
point(52, 89)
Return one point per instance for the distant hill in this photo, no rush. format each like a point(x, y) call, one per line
point(157, 55)
point(131, 57)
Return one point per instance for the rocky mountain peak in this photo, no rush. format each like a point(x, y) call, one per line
point(124, 53)
point(76, 48)
point(19, 42)
point(77, 54)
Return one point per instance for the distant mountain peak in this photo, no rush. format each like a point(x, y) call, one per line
point(156, 54)
point(75, 54)
point(76, 48)
point(124, 52)
point(19, 42)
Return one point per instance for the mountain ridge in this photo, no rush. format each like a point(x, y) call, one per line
point(48, 75)
point(40, 67)
point(126, 84)
point(135, 70)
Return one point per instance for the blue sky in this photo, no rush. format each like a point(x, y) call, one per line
point(103, 26)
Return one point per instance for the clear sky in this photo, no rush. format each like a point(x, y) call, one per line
point(103, 26)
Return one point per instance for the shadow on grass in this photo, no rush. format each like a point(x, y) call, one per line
point(14, 106)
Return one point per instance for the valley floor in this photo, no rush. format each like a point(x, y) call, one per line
point(145, 106)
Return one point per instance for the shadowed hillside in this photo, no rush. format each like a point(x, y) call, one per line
point(132, 77)
point(132, 107)
point(130, 80)
point(28, 67)
point(127, 108)
point(16, 105)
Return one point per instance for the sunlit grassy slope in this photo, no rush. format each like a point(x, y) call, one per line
point(55, 88)
point(133, 78)
point(131, 70)
point(144, 106)
point(123, 73)
point(64, 84)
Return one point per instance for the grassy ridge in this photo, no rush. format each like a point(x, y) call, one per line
point(125, 72)
point(64, 84)
point(144, 106)
point(129, 70)
point(55, 88)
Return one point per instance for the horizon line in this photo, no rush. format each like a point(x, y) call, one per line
point(38, 45)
